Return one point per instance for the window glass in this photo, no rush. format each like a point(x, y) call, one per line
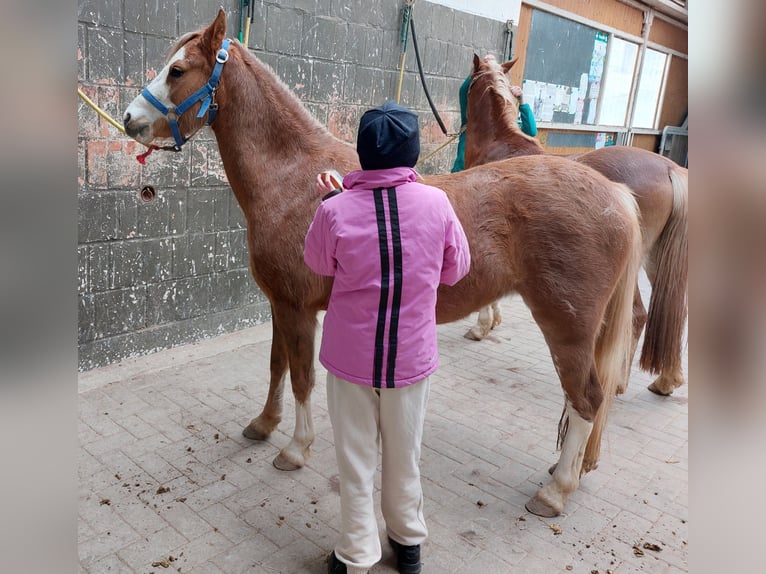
point(620, 65)
point(649, 86)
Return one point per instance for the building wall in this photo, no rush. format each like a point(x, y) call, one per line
point(155, 275)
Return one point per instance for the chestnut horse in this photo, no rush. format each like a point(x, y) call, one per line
point(561, 235)
point(659, 186)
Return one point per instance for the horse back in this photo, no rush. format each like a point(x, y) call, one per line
point(647, 174)
point(541, 224)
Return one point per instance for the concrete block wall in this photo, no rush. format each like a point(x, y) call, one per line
point(155, 275)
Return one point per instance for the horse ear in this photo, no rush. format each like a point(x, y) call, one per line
point(476, 62)
point(214, 34)
point(508, 65)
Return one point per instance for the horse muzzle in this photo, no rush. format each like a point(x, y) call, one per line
point(139, 130)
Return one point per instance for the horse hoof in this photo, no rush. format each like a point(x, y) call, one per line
point(665, 384)
point(657, 390)
point(537, 506)
point(253, 433)
point(552, 468)
point(281, 462)
point(588, 465)
point(474, 334)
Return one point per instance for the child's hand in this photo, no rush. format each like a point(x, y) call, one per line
point(518, 93)
point(327, 181)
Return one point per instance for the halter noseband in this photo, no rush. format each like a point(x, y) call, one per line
point(206, 94)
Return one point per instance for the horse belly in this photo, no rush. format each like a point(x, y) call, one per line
point(467, 296)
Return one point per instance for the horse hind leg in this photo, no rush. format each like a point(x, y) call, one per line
point(668, 274)
point(489, 318)
point(589, 375)
point(261, 427)
point(590, 367)
point(669, 366)
point(550, 500)
point(668, 381)
point(667, 362)
point(670, 373)
point(575, 366)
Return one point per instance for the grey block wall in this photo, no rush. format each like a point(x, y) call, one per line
point(155, 275)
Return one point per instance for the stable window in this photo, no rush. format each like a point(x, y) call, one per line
point(578, 74)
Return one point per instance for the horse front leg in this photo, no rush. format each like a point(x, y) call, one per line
point(484, 324)
point(550, 500)
point(261, 427)
point(299, 336)
point(497, 318)
point(639, 320)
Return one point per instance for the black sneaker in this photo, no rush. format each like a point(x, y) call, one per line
point(407, 557)
point(335, 566)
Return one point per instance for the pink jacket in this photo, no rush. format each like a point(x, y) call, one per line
point(388, 241)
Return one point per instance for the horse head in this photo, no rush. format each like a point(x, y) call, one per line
point(187, 83)
point(492, 79)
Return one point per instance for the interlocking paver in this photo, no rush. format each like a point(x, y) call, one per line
point(168, 484)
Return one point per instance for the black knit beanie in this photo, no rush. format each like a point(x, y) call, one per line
point(388, 137)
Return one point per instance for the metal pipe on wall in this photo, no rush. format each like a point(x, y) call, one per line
point(645, 28)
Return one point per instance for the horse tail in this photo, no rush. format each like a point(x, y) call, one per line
point(668, 307)
point(614, 344)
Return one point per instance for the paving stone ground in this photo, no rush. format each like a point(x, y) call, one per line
point(167, 483)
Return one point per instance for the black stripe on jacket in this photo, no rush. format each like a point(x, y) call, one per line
point(396, 242)
point(385, 276)
point(380, 215)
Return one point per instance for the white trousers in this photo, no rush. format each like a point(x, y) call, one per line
point(364, 418)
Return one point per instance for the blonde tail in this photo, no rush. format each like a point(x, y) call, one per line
point(615, 341)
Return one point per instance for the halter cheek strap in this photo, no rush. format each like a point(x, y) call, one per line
point(206, 94)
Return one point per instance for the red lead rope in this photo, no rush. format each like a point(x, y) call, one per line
point(142, 156)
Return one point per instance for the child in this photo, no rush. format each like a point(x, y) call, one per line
point(389, 242)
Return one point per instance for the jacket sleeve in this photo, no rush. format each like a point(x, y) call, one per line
point(528, 123)
point(457, 255)
point(459, 164)
point(319, 245)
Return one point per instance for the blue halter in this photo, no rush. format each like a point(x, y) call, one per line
point(206, 94)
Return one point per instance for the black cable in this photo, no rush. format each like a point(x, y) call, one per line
point(423, 79)
point(509, 41)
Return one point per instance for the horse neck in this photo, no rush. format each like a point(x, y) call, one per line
point(265, 135)
point(496, 135)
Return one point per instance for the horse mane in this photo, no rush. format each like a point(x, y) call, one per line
point(273, 93)
point(282, 93)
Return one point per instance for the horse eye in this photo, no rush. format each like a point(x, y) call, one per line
point(176, 72)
